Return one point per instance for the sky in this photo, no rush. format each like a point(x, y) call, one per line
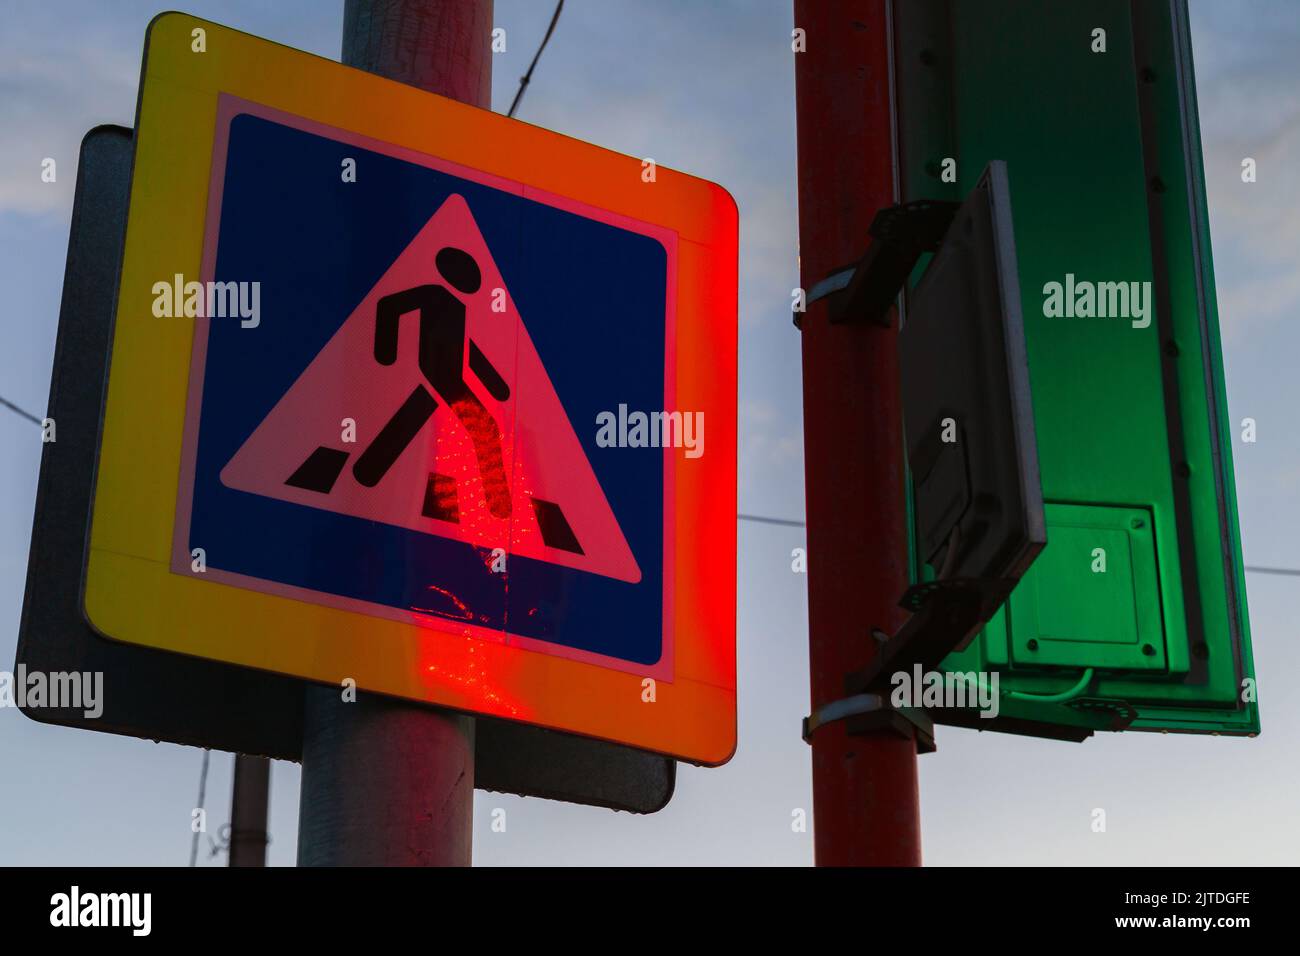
point(708, 88)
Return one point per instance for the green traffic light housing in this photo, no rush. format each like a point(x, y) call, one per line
point(1134, 614)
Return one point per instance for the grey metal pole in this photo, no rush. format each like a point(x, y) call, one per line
point(384, 783)
point(248, 806)
point(443, 46)
point(387, 783)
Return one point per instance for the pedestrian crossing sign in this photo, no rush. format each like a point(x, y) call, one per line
point(366, 338)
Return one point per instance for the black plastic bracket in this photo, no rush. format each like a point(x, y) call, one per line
point(945, 616)
point(900, 236)
point(865, 713)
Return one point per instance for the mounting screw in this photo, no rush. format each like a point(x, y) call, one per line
point(1148, 650)
point(1137, 523)
point(1032, 644)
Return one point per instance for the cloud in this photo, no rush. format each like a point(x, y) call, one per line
point(724, 112)
point(1245, 88)
point(48, 107)
point(1255, 227)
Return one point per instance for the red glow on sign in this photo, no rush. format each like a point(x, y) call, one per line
point(458, 429)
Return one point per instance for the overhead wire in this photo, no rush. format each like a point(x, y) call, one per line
point(528, 77)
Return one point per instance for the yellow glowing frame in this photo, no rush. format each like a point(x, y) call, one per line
point(130, 591)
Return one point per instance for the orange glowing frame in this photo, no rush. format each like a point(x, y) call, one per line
point(132, 592)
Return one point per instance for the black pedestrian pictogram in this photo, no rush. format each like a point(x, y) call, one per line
point(461, 432)
point(441, 358)
point(442, 341)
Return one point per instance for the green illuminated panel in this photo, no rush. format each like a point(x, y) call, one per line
point(1103, 157)
point(1086, 601)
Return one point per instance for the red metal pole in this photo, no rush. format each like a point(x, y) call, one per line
point(865, 798)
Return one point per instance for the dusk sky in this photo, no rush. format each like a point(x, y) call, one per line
point(707, 88)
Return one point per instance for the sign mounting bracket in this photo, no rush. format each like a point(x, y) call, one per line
point(901, 234)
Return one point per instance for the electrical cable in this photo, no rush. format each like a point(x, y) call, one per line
point(203, 791)
point(1253, 568)
point(1060, 698)
point(527, 77)
point(19, 410)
